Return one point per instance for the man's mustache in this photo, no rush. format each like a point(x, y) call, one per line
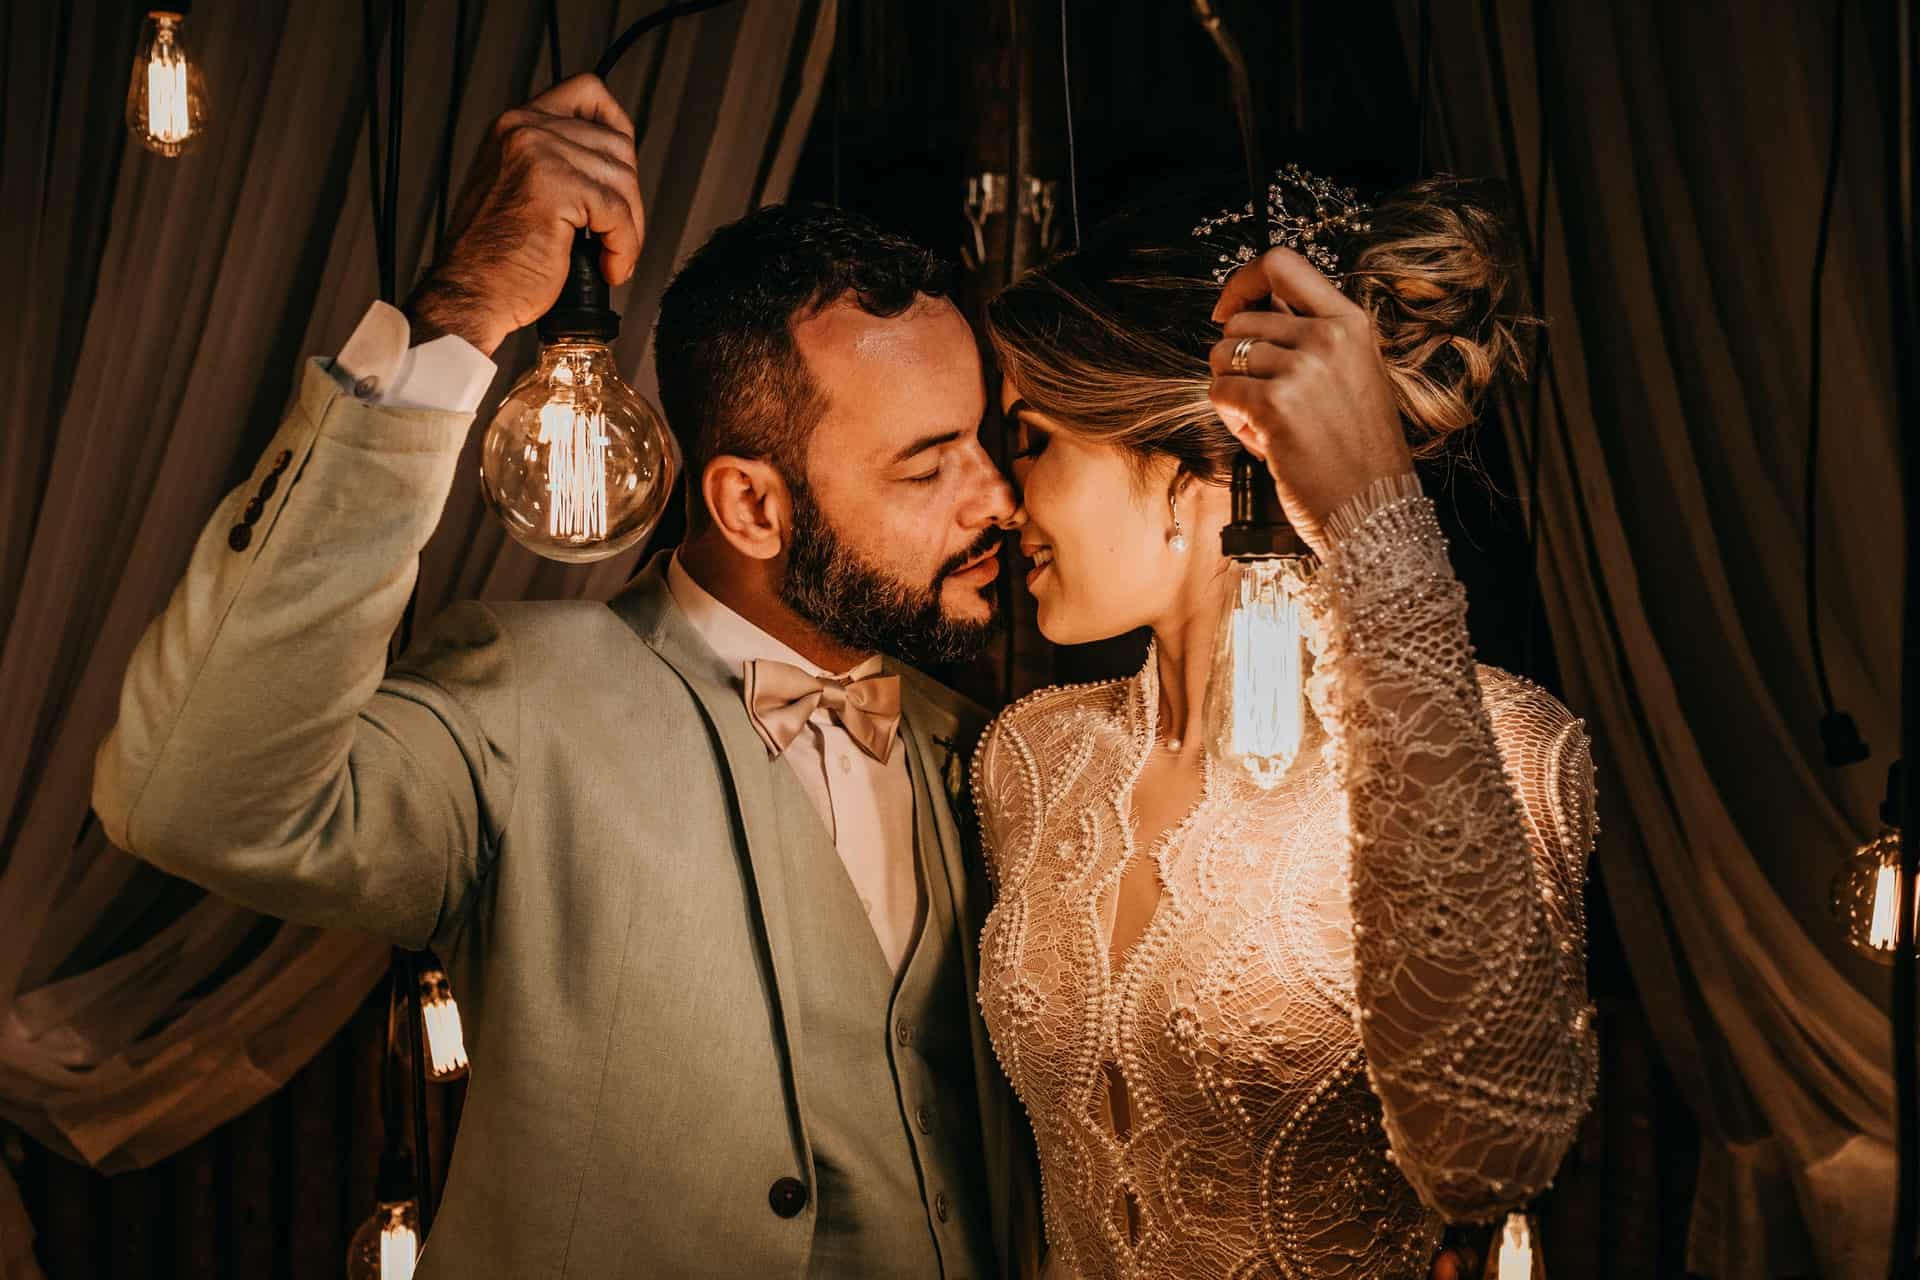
point(988, 540)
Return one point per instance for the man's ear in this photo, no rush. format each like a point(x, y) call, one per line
point(749, 503)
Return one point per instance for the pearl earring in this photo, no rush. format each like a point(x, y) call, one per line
point(1178, 539)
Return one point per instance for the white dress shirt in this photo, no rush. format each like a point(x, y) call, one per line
point(378, 364)
point(867, 805)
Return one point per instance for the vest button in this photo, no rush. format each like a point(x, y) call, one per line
point(903, 1031)
point(924, 1116)
point(239, 536)
point(788, 1196)
point(940, 1206)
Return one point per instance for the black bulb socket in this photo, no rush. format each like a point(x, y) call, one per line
point(1259, 528)
point(396, 1181)
point(1896, 794)
point(583, 309)
point(1840, 737)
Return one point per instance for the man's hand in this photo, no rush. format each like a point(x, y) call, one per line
point(564, 161)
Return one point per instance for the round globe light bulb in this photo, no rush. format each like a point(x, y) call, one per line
point(576, 464)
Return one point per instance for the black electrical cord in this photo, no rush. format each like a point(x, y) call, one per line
point(409, 970)
point(1543, 169)
point(839, 96)
point(553, 40)
point(658, 18)
point(1010, 247)
point(1426, 80)
point(1073, 165)
point(1242, 86)
point(1839, 735)
point(389, 190)
point(1903, 206)
point(370, 42)
point(443, 193)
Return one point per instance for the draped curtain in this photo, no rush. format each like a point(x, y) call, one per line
point(1685, 149)
point(157, 311)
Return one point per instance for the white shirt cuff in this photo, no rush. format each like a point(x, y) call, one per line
point(378, 365)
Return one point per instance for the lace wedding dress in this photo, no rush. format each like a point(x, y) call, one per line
point(1359, 1008)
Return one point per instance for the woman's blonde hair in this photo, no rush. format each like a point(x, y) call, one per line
point(1111, 340)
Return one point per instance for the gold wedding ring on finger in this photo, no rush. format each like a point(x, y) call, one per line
point(1238, 360)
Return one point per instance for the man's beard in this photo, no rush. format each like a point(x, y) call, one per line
point(863, 607)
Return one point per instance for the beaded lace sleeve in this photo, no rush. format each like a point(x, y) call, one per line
point(1469, 954)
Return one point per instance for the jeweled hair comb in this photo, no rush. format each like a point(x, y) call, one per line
point(1304, 212)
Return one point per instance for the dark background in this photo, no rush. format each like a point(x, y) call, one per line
point(921, 96)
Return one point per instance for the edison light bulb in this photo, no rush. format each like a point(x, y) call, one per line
point(167, 98)
point(576, 464)
point(1515, 1254)
point(1866, 889)
point(387, 1245)
point(1866, 895)
point(440, 1022)
point(1256, 708)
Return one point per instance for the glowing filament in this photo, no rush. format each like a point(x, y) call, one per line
point(1516, 1249)
point(1267, 644)
point(576, 443)
point(399, 1250)
point(1886, 899)
point(167, 91)
point(446, 1047)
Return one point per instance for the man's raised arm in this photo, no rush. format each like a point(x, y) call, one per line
point(262, 748)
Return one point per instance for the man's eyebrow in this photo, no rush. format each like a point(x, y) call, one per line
point(925, 443)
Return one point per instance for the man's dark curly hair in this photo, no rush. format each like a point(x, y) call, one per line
point(731, 379)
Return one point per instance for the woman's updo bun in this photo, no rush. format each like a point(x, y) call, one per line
point(1111, 340)
point(1438, 272)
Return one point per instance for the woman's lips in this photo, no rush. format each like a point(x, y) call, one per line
point(1042, 558)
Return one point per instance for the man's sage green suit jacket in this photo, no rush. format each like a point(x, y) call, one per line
point(568, 802)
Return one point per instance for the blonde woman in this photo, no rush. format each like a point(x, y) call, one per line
point(1288, 1032)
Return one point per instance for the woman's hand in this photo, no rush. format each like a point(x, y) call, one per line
point(1314, 401)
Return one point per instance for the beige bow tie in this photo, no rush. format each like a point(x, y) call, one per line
point(780, 697)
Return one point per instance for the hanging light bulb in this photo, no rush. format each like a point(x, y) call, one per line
point(1256, 704)
point(576, 464)
point(446, 1047)
point(387, 1245)
point(1866, 889)
point(167, 98)
point(1515, 1252)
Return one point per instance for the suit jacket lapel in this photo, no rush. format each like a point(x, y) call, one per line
point(647, 607)
point(933, 734)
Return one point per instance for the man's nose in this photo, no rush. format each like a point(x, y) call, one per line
point(995, 502)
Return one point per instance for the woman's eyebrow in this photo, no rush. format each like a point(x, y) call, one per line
point(1015, 409)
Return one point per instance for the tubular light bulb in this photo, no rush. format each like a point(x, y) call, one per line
point(1866, 895)
point(1515, 1254)
point(440, 1021)
point(387, 1245)
point(1256, 709)
point(167, 97)
point(1866, 889)
point(575, 464)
